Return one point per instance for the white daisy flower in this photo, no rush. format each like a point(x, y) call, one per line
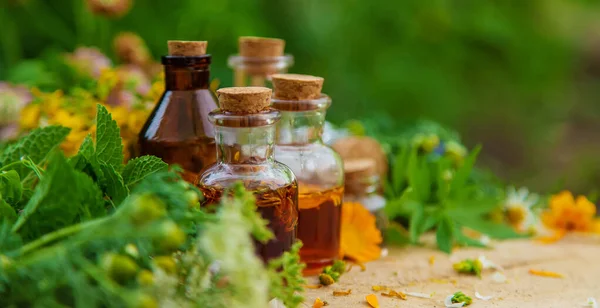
point(518, 205)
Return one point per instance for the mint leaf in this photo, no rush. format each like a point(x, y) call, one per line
point(139, 168)
point(92, 201)
point(54, 203)
point(109, 148)
point(7, 212)
point(63, 197)
point(11, 189)
point(36, 146)
point(112, 184)
point(444, 234)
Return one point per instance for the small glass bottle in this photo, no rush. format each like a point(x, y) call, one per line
point(178, 130)
point(363, 185)
point(245, 136)
point(258, 59)
point(318, 167)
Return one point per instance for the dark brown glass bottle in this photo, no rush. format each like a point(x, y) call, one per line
point(178, 129)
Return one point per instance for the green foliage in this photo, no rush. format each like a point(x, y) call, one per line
point(437, 191)
point(109, 149)
point(88, 230)
point(286, 277)
point(139, 168)
point(34, 146)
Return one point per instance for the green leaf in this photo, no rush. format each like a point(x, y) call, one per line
point(63, 197)
point(7, 212)
point(416, 221)
point(459, 180)
point(11, 189)
point(109, 148)
point(399, 207)
point(399, 172)
point(139, 168)
point(444, 234)
point(8, 239)
point(464, 240)
point(395, 234)
point(36, 145)
point(419, 177)
point(54, 203)
point(112, 184)
point(494, 230)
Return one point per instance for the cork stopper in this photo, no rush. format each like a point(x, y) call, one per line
point(360, 167)
point(251, 46)
point(187, 48)
point(244, 100)
point(353, 147)
point(297, 87)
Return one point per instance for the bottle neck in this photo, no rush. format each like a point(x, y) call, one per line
point(245, 145)
point(300, 127)
point(186, 78)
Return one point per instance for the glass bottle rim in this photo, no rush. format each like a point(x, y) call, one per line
point(279, 62)
point(222, 118)
point(321, 103)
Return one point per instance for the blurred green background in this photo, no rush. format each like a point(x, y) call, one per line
point(518, 76)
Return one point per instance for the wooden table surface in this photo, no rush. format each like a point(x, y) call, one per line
point(408, 269)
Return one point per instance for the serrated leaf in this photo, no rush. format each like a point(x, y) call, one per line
point(7, 212)
point(36, 145)
point(444, 234)
point(63, 197)
point(11, 189)
point(112, 184)
point(54, 203)
point(139, 168)
point(109, 148)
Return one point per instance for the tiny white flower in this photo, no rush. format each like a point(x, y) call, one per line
point(499, 278)
point(488, 264)
point(481, 297)
point(591, 303)
point(518, 205)
point(485, 239)
point(449, 304)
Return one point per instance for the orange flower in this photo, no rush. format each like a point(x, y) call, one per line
point(360, 237)
point(567, 214)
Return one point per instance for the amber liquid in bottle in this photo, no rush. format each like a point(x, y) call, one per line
point(178, 129)
point(245, 154)
point(278, 207)
point(319, 224)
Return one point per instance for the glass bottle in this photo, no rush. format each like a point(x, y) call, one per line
point(318, 167)
point(363, 185)
point(245, 136)
point(178, 130)
point(257, 60)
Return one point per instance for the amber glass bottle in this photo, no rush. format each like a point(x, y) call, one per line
point(318, 168)
point(245, 136)
point(178, 130)
point(258, 59)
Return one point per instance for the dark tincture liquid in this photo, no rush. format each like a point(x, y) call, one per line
point(178, 129)
point(277, 206)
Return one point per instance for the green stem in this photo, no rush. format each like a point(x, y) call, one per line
point(12, 164)
point(58, 234)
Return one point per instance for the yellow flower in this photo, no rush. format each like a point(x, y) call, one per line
point(360, 237)
point(567, 214)
point(50, 102)
point(30, 116)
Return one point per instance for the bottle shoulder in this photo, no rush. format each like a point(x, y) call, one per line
point(312, 163)
point(271, 175)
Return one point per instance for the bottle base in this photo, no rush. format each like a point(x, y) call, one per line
point(315, 267)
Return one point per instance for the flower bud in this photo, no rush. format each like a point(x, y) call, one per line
point(118, 267)
point(146, 208)
point(169, 236)
point(166, 263)
point(145, 278)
